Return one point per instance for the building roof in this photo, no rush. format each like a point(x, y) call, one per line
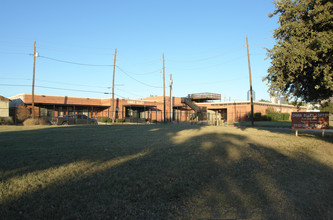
point(205, 96)
point(2, 98)
point(248, 103)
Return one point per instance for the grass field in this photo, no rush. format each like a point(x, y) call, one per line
point(281, 124)
point(164, 172)
point(273, 124)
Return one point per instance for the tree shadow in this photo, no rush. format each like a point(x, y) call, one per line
point(42, 148)
point(174, 172)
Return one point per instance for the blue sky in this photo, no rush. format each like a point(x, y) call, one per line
point(202, 41)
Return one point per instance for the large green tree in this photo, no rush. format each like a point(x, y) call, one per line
point(302, 59)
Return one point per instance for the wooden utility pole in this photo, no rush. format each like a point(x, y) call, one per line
point(251, 96)
point(171, 112)
point(114, 72)
point(33, 85)
point(163, 90)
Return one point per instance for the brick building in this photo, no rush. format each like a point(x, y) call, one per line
point(151, 108)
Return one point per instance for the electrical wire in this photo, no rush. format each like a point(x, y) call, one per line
point(136, 79)
point(65, 45)
point(56, 82)
point(147, 73)
point(214, 82)
point(75, 63)
point(207, 67)
point(130, 93)
point(47, 87)
point(42, 48)
point(138, 64)
point(13, 53)
point(15, 78)
point(202, 59)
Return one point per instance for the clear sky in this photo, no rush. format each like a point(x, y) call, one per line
point(203, 43)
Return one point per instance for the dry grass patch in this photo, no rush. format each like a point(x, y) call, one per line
point(36, 121)
point(170, 172)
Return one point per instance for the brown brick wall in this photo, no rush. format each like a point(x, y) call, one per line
point(236, 111)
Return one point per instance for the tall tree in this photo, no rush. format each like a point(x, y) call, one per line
point(302, 59)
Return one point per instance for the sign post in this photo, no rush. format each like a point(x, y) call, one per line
point(310, 120)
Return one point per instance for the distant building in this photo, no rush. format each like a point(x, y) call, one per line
point(206, 106)
point(4, 107)
point(279, 100)
point(253, 95)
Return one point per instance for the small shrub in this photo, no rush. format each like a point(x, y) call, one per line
point(22, 113)
point(30, 122)
point(104, 120)
point(120, 120)
point(109, 120)
point(6, 121)
point(36, 121)
point(277, 116)
point(43, 121)
point(257, 116)
point(265, 118)
point(153, 121)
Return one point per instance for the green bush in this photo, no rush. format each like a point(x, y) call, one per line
point(153, 121)
point(120, 120)
point(277, 116)
point(257, 116)
point(104, 120)
point(265, 118)
point(6, 121)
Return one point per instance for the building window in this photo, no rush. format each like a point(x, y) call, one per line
point(70, 110)
point(60, 111)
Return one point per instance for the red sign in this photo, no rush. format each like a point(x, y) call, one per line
point(310, 120)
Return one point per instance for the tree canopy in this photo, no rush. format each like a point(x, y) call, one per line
point(302, 59)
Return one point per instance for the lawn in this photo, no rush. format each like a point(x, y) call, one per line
point(274, 124)
point(281, 124)
point(164, 172)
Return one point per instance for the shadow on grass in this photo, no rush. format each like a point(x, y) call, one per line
point(154, 172)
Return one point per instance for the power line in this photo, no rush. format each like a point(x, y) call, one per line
point(47, 87)
point(213, 82)
point(137, 80)
point(75, 63)
point(130, 93)
point(73, 84)
point(141, 63)
point(14, 78)
point(211, 66)
point(57, 82)
point(73, 51)
point(13, 53)
point(147, 73)
point(21, 40)
point(202, 59)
